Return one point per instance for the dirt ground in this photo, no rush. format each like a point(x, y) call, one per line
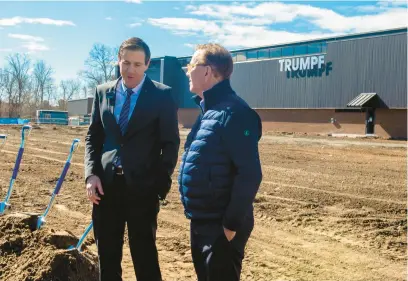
point(327, 209)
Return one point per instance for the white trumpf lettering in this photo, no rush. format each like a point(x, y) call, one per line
point(314, 62)
point(301, 63)
point(287, 65)
point(295, 64)
point(304, 63)
point(281, 64)
point(321, 61)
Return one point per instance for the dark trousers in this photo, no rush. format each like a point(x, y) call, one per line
point(121, 205)
point(214, 257)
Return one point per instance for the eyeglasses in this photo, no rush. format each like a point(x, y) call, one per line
point(190, 66)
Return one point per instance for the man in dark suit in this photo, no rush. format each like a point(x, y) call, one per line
point(131, 152)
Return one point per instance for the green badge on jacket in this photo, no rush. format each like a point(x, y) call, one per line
point(246, 132)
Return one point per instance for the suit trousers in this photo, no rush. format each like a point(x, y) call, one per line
point(120, 206)
point(214, 257)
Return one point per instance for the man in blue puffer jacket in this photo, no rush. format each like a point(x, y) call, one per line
point(220, 171)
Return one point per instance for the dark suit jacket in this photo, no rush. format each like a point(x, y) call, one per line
point(149, 147)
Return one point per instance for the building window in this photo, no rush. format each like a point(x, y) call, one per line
point(155, 64)
point(183, 62)
point(275, 53)
point(300, 50)
point(287, 51)
point(324, 47)
point(241, 56)
point(314, 48)
point(252, 55)
point(47, 116)
point(263, 54)
point(234, 57)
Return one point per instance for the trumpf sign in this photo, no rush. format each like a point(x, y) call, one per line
point(305, 66)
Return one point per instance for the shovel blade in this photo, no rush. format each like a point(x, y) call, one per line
point(4, 207)
point(40, 222)
point(71, 248)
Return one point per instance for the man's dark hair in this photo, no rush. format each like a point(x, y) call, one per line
point(135, 44)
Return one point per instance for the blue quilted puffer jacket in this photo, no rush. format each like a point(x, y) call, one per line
point(220, 171)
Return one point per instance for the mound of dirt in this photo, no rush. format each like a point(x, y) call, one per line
point(41, 255)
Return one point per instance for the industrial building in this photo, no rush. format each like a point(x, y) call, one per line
point(79, 111)
point(80, 107)
point(45, 116)
point(353, 84)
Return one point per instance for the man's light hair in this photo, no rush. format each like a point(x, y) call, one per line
point(217, 57)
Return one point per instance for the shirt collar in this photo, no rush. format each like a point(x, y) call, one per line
point(135, 89)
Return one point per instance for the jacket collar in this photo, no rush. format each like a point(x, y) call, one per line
point(112, 85)
point(215, 95)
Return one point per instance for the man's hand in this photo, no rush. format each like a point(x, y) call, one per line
point(229, 234)
point(93, 184)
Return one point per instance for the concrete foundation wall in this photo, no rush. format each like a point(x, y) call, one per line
point(388, 122)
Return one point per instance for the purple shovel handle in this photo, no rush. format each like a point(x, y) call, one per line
point(18, 161)
point(62, 177)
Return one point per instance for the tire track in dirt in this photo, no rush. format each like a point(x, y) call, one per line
point(336, 193)
point(298, 254)
point(30, 142)
point(331, 142)
point(288, 253)
point(328, 176)
point(54, 141)
point(31, 146)
point(285, 199)
point(44, 157)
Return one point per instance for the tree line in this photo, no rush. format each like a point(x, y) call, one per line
point(27, 85)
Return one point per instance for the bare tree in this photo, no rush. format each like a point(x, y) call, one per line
point(42, 77)
point(28, 103)
point(8, 91)
point(69, 89)
point(52, 92)
point(85, 91)
point(2, 89)
point(100, 65)
point(18, 67)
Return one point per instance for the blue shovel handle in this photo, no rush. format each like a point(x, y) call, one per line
point(21, 150)
point(62, 177)
point(16, 167)
point(74, 146)
point(23, 133)
point(82, 239)
point(58, 186)
point(18, 161)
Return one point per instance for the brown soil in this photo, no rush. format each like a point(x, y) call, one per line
point(41, 255)
point(327, 209)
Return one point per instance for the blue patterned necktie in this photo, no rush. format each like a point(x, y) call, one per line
point(124, 114)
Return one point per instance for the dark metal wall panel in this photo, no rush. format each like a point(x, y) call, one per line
point(170, 73)
point(188, 101)
point(154, 74)
point(90, 104)
point(172, 77)
point(368, 65)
